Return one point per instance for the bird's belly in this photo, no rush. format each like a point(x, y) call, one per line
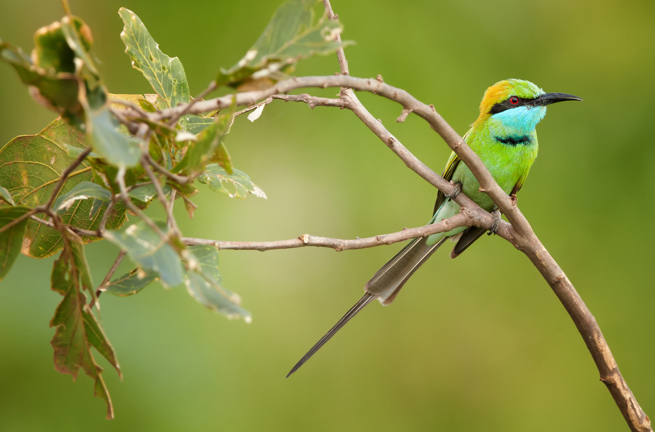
point(507, 177)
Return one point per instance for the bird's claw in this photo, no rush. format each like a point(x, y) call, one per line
point(456, 190)
point(494, 227)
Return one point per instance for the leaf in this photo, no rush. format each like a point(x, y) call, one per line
point(132, 282)
point(204, 284)
point(256, 113)
point(30, 166)
point(165, 74)
point(146, 101)
point(6, 196)
point(149, 251)
point(235, 185)
point(77, 329)
point(189, 206)
point(79, 39)
point(195, 124)
point(60, 68)
point(147, 192)
point(82, 191)
point(11, 239)
point(54, 90)
point(292, 34)
point(107, 140)
point(208, 148)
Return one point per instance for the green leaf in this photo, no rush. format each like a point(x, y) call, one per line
point(149, 251)
point(235, 185)
point(195, 124)
point(132, 282)
point(208, 148)
point(6, 196)
point(204, 284)
point(31, 165)
point(165, 74)
point(109, 142)
point(293, 33)
point(82, 191)
point(51, 51)
point(11, 239)
point(54, 90)
point(147, 192)
point(77, 329)
point(79, 40)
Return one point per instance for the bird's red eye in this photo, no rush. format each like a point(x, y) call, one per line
point(514, 100)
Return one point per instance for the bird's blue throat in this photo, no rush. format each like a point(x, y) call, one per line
point(517, 122)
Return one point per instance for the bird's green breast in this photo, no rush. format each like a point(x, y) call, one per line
point(507, 155)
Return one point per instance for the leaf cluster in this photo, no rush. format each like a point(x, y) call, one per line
point(107, 157)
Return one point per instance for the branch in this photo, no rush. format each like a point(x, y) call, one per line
point(168, 206)
point(312, 101)
point(105, 281)
point(76, 230)
point(343, 63)
point(62, 179)
point(458, 220)
point(527, 241)
point(176, 178)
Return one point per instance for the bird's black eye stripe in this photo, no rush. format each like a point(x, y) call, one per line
point(507, 104)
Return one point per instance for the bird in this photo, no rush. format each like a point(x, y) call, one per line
point(505, 139)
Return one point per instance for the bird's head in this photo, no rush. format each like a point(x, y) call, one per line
point(517, 104)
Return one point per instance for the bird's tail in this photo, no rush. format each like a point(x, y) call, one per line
point(387, 282)
point(366, 299)
point(384, 285)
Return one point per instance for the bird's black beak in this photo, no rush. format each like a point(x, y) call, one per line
point(551, 98)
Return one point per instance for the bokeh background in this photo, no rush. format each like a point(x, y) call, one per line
point(477, 343)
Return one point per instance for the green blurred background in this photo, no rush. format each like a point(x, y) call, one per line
point(478, 343)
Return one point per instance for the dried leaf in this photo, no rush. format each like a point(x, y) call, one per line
point(77, 329)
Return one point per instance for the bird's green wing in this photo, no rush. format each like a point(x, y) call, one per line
point(453, 161)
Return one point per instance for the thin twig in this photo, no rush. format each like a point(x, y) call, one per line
point(64, 176)
point(305, 240)
point(120, 179)
point(105, 281)
point(29, 214)
point(172, 223)
point(343, 63)
point(253, 107)
point(176, 178)
point(76, 230)
point(168, 205)
point(105, 217)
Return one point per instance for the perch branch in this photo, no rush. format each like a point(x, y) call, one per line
point(461, 219)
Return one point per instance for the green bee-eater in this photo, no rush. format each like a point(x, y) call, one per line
point(504, 137)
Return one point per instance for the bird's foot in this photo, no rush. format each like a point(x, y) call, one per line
point(494, 227)
point(456, 191)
